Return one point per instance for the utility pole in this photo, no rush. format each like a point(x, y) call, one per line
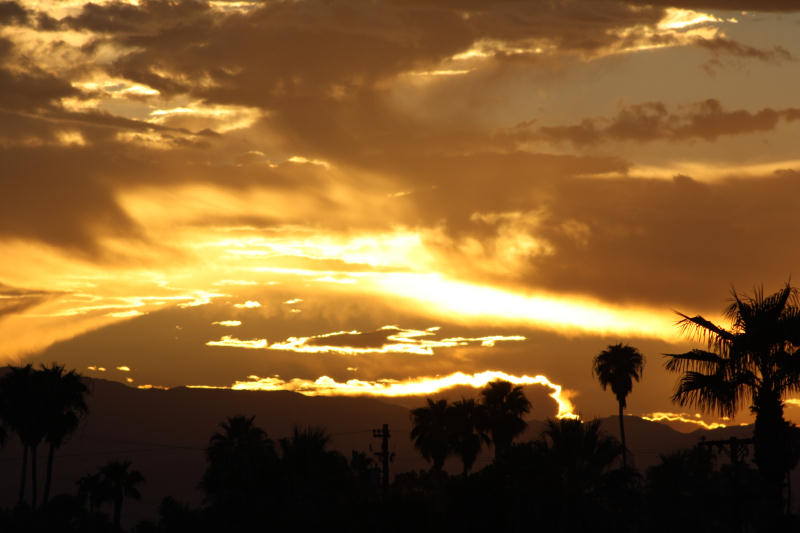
point(384, 455)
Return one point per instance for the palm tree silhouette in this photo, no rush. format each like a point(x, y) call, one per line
point(90, 491)
point(756, 361)
point(305, 452)
point(576, 466)
point(240, 458)
point(41, 405)
point(505, 406)
point(118, 482)
point(314, 475)
point(617, 366)
point(430, 434)
point(64, 405)
point(21, 410)
point(239, 435)
point(466, 426)
point(580, 450)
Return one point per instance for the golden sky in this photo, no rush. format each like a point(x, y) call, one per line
point(381, 197)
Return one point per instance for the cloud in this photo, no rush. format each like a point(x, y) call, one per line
point(732, 5)
point(424, 385)
point(686, 418)
point(720, 46)
point(232, 342)
point(249, 304)
point(228, 323)
point(14, 300)
point(386, 340)
point(653, 121)
point(12, 12)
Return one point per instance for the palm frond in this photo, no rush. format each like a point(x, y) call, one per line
point(703, 330)
point(694, 360)
point(707, 392)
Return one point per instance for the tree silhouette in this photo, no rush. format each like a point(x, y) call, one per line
point(316, 479)
point(117, 482)
point(756, 361)
point(576, 458)
point(64, 404)
point(21, 410)
point(505, 406)
point(617, 366)
point(240, 458)
point(90, 491)
point(430, 433)
point(466, 426)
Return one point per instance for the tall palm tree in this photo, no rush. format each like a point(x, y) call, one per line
point(505, 406)
point(21, 410)
point(429, 432)
point(617, 366)
point(120, 482)
point(466, 426)
point(755, 362)
point(238, 457)
point(64, 405)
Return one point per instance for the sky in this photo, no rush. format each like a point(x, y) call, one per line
point(391, 197)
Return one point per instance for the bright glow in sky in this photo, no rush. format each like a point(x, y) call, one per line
point(501, 172)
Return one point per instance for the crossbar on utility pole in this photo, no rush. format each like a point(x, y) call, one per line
point(384, 455)
point(737, 448)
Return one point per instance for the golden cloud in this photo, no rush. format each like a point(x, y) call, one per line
point(326, 386)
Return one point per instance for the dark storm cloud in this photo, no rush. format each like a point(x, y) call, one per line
point(147, 18)
point(315, 67)
point(28, 90)
point(653, 121)
point(679, 243)
point(285, 56)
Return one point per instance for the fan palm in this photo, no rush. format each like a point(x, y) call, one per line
point(505, 406)
point(616, 367)
point(429, 432)
point(64, 405)
point(21, 410)
point(118, 482)
point(580, 451)
point(466, 423)
point(238, 458)
point(755, 362)
point(576, 462)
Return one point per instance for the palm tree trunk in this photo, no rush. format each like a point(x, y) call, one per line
point(770, 443)
point(24, 476)
point(118, 513)
point(622, 438)
point(33, 477)
point(49, 476)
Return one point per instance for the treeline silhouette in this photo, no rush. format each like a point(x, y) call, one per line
point(572, 478)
